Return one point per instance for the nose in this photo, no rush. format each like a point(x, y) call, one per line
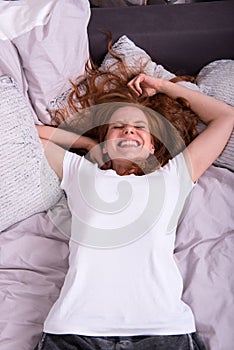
point(128, 129)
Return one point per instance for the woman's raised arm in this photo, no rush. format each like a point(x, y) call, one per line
point(218, 116)
point(68, 139)
point(65, 138)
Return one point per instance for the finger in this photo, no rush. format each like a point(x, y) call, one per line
point(135, 86)
point(138, 86)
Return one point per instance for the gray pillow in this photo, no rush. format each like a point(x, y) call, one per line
point(217, 79)
point(135, 58)
point(28, 185)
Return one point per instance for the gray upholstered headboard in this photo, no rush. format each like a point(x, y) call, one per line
point(183, 37)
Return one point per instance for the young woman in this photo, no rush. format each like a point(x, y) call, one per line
point(123, 289)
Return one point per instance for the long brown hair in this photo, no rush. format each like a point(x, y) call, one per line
point(87, 109)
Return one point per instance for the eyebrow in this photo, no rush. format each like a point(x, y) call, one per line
point(135, 122)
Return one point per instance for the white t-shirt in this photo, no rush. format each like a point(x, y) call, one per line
point(122, 277)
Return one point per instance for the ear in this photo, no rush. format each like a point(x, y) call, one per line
point(152, 149)
point(104, 150)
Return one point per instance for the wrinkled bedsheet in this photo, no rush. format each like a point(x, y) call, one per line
point(34, 260)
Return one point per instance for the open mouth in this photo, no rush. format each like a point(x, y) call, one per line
point(129, 143)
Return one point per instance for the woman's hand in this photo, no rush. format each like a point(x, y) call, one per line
point(145, 85)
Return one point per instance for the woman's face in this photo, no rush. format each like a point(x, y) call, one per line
point(128, 135)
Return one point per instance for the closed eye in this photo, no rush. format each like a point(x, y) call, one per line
point(120, 127)
point(140, 126)
point(117, 127)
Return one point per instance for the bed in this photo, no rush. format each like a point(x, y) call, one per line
point(46, 46)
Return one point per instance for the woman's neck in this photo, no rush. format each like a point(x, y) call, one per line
point(126, 167)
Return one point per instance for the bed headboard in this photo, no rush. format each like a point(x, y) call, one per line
point(183, 37)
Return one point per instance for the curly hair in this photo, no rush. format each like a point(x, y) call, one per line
point(87, 108)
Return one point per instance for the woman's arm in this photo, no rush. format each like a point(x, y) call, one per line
point(65, 138)
point(68, 139)
point(55, 155)
point(218, 116)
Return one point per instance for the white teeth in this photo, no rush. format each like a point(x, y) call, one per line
point(128, 143)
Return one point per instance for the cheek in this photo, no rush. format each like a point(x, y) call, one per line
point(108, 143)
point(109, 135)
point(112, 135)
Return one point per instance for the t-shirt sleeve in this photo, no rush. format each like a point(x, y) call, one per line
point(76, 171)
point(179, 168)
point(186, 179)
point(71, 164)
point(183, 172)
point(180, 178)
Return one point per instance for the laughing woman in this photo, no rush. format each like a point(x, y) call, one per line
point(123, 288)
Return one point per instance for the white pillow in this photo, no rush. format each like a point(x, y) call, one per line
point(28, 185)
point(51, 42)
point(217, 79)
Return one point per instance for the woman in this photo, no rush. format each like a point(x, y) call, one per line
point(123, 288)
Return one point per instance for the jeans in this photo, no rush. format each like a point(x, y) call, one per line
point(158, 342)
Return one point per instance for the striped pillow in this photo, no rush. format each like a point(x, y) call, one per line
point(217, 79)
point(28, 185)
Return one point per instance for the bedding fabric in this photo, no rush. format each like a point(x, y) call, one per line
point(33, 263)
point(204, 251)
point(41, 29)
